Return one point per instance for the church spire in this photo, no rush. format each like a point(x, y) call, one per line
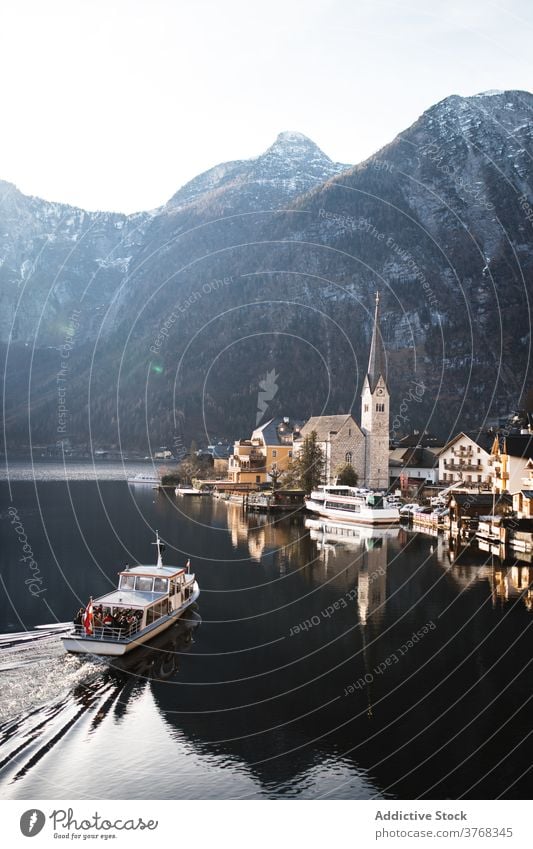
point(376, 361)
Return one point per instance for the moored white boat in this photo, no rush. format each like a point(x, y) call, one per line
point(144, 478)
point(190, 491)
point(148, 600)
point(349, 504)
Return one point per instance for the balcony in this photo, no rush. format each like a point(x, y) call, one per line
point(462, 467)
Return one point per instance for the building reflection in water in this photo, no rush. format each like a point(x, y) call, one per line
point(509, 577)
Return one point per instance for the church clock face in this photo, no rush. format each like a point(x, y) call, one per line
point(379, 391)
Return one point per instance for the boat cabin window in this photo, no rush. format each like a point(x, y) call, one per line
point(144, 585)
point(127, 582)
point(155, 611)
point(161, 585)
point(375, 501)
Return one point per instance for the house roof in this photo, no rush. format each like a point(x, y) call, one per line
point(324, 426)
point(479, 499)
point(270, 432)
point(482, 438)
point(417, 457)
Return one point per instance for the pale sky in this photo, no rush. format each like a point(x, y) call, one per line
point(114, 104)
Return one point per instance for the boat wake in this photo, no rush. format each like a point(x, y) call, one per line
point(35, 669)
point(51, 698)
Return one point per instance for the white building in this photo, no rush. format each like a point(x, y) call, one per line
point(510, 454)
point(466, 459)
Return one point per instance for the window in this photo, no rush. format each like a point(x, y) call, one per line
point(349, 431)
point(274, 453)
point(160, 585)
point(479, 478)
point(478, 450)
point(144, 585)
point(348, 457)
point(366, 408)
point(127, 582)
point(290, 453)
point(380, 408)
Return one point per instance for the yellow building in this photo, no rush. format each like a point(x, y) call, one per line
point(511, 454)
point(268, 450)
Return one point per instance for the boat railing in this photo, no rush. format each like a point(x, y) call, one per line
point(108, 632)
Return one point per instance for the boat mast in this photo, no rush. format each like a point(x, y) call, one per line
point(159, 549)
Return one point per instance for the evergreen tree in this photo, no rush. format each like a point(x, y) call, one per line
point(346, 475)
point(310, 463)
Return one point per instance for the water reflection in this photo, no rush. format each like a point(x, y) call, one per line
point(331, 660)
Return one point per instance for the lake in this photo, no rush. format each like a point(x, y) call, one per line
point(319, 662)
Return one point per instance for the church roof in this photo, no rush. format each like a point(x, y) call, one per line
point(326, 425)
point(377, 363)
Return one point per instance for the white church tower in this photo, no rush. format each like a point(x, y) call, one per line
point(375, 413)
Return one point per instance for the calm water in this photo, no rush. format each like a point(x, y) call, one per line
point(297, 676)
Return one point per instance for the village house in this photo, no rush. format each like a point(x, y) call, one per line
point(466, 459)
point(341, 441)
point(511, 455)
point(413, 468)
point(269, 449)
point(523, 499)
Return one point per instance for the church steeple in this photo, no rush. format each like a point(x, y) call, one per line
point(375, 406)
point(376, 361)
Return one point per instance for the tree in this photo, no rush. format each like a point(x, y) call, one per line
point(310, 464)
point(275, 474)
point(346, 475)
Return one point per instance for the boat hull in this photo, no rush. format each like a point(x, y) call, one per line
point(117, 648)
point(366, 516)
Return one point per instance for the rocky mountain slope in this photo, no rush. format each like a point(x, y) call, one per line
point(270, 265)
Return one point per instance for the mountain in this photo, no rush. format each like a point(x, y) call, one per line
point(269, 266)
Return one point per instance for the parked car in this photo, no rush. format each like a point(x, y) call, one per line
point(408, 509)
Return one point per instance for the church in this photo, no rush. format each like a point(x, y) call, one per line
point(365, 447)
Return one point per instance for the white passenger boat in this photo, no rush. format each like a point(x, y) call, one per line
point(143, 478)
point(349, 504)
point(190, 491)
point(148, 600)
